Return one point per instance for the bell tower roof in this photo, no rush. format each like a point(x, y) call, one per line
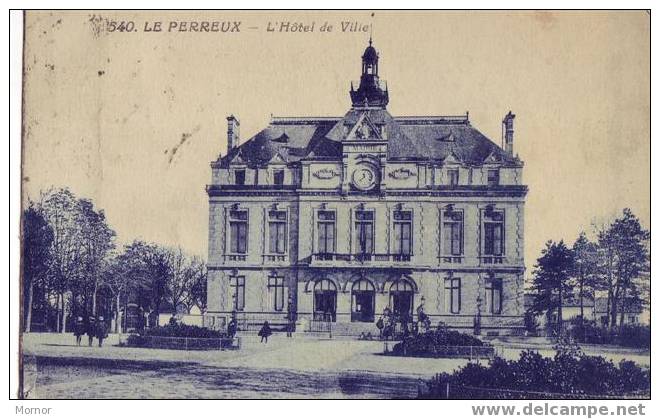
point(370, 54)
point(371, 91)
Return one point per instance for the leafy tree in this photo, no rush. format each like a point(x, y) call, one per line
point(552, 279)
point(157, 275)
point(623, 245)
point(97, 240)
point(36, 246)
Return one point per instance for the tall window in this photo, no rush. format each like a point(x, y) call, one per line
point(239, 176)
point(276, 289)
point(493, 177)
point(237, 285)
point(364, 228)
point(403, 233)
point(277, 232)
point(238, 228)
point(453, 177)
point(278, 177)
point(494, 296)
point(494, 236)
point(453, 295)
point(326, 230)
point(452, 235)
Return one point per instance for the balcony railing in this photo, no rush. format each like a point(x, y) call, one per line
point(451, 259)
point(362, 257)
point(275, 257)
point(492, 260)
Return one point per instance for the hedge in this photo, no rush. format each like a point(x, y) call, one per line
point(431, 343)
point(571, 374)
point(630, 335)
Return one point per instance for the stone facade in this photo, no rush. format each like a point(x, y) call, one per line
point(337, 219)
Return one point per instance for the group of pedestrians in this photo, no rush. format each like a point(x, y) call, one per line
point(93, 328)
point(387, 323)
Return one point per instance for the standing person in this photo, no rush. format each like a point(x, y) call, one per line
point(79, 329)
point(91, 329)
point(101, 330)
point(380, 325)
point(265, 332)
point(290, 319)
point(232, 326)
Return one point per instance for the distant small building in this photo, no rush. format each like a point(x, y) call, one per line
point(571, 309)
point(634, 311)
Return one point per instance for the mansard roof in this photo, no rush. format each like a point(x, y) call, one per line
point(428, 138)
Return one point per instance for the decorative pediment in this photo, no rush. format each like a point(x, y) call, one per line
point(402, 173)
point(493, 157)
point(277, 159)
point(325, 173)
point(364, 129)
point(238, 158)
point(452, 158)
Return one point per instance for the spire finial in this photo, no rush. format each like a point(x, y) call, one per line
point(371, 28)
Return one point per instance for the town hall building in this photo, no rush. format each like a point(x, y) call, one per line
point(338, 219)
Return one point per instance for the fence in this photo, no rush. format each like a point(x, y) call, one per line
point(443, 389)
point(183, 343)
point(319, 326)
point(469, 352)
point(252, 322)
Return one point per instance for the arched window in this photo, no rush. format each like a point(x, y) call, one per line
point(324, 285)
point(325, 300)
point(402, 285)
point(402, 295)
point(363, 285)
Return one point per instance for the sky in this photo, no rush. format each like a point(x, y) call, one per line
point(132, 119)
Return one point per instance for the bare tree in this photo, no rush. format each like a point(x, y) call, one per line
point(37, 239)
point(59, 208)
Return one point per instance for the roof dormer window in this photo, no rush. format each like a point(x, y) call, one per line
point(239, 176)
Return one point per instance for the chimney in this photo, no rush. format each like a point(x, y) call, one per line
point(507, 127)
point(233, 128)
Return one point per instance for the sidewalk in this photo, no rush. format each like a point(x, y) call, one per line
point(301, 367)
point(300, 353)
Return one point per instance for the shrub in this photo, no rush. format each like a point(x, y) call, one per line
point(182, 331)
point(568, 373)
point(629, 335)
point(428, 343)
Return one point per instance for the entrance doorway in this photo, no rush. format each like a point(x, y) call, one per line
point(363, 298)
point(325, 300)
point(402, 296)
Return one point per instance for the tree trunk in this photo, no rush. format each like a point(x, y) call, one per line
point(63, 313)
point(584, 333)
point(96, 288)
point(582, 302)
point(117, 319)
point(611, 301)
point(614, 309)
point(28, 316)
point(560, 314)
point(623, 310)
point(57, 313)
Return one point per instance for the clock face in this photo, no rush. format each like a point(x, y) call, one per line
point(364, 178)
